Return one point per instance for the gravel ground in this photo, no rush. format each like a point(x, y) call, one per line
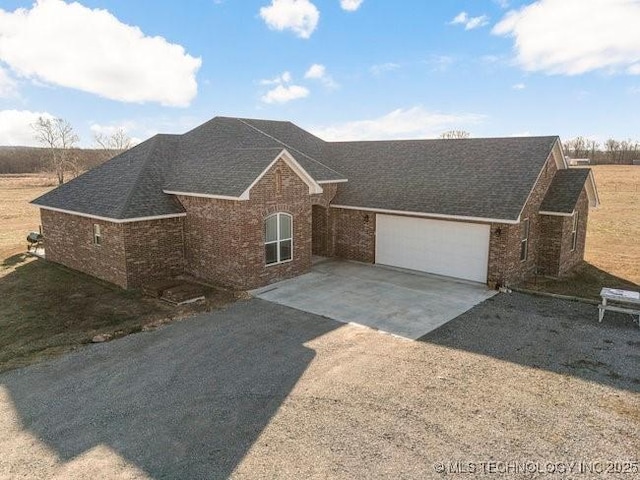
point(262, 391)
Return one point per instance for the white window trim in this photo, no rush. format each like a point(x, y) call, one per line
point(97, 234)
point(278, 240)
point(574, 232)
point(525, 240)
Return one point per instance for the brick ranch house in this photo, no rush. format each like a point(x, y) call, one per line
point(246, 203)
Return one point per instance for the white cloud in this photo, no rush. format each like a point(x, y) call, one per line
point(8, 86)
point(319, 72)
point(300, 16)
point(70, 45)
point(316, 71)
point(571, 37)
point(351, 5)
point(16, 126)
point(519, 86)
point(384, 67)
point(285, 93)
point(469, 22)
point(502, 3)
point(414, 122)
point(285, 77)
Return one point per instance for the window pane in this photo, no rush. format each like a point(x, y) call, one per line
point(271, 229)
point(524, 232)
point(523, 251)
point(285, 250)
point(271, 253)
point(285, 227)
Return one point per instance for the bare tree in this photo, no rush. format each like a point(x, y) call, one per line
point(113, 144)
point(58, 137)
point(613, 148)
point(451, 134)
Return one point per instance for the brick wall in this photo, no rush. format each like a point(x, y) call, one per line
point(154, 249)
point(129, 253)
point(570, 259)
point(224, 239)
point(69, 241)
point(353, 234)
point(505, 266)
point(551, 227)
point(556, 256)
point(320, 231)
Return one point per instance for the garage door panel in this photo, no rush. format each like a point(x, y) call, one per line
point(455, 249)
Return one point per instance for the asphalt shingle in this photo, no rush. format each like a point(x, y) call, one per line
point(483, 178)
point(565, 190)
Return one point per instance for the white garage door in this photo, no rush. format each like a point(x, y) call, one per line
point(455, 249)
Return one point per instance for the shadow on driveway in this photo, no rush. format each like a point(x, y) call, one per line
point(185, 401)
point(555, 335)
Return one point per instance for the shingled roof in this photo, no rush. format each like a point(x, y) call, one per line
point(481, 178)
point(126, 187)
point(472, 178)
point(565, 190)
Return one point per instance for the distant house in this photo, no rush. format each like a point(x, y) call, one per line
point(573, 162)
point(248, 202)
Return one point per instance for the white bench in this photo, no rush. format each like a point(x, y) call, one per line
point(624, 301)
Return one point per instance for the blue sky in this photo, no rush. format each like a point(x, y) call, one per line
point(343, 69)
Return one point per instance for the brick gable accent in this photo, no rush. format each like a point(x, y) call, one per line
point(224, 239)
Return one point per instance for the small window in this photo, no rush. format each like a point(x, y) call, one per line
point(524, 240)
point(97, 235)
point(574, 232)
point(278, 238)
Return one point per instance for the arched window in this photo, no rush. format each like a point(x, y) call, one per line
point(278, 238)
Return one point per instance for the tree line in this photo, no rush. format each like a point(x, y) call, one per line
point(59, 153)
point(612, 151)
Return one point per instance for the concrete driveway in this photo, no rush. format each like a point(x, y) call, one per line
point(407, 304)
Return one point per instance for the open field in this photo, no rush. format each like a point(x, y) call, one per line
point(17, 217)
point(613, 236)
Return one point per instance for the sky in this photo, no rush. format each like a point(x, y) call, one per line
point(342, 69)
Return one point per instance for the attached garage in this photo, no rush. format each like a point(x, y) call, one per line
point(454, 249)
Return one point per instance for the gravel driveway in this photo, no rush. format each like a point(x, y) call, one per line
point(263, 391)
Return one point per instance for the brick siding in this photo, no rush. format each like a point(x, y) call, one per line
point(154, 249)
point(69, 241)
point(353, 234)
point(556, 256)
point(129, 253)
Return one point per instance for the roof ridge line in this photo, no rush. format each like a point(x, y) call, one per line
point(289, 146)
point(127, 200)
